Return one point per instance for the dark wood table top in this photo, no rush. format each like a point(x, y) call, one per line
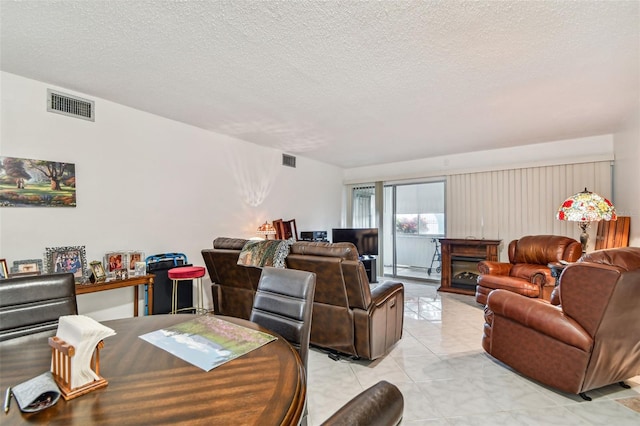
point(148, 385)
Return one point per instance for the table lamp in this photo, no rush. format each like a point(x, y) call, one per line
point(266, 229)
point(586, 207)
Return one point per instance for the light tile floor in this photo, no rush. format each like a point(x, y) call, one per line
point(447, 379)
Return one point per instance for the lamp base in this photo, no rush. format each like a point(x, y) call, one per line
point(584, 236)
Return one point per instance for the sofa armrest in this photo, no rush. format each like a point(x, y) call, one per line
point(489, 267)
point(379, 327)
point(543, 317)
point(534, 273)
point(384, 291)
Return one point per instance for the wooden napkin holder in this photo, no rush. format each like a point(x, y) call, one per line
point(61, 354)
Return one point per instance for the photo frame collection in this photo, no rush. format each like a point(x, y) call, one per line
point(73, 259)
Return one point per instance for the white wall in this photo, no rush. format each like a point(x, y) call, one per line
point(569, 151)
point(148, 183)
point(626, 194)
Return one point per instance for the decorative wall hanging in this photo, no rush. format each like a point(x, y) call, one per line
point(36, 183)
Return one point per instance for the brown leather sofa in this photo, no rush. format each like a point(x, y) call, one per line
point(590, 340)
point(348, 317)
point(527, 272)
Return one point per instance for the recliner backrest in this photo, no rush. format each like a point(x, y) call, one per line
point(356, 294)
point(233, 285)
point(325, 260)
point(357, 284)
point(284, 304)
point(380, 405)
point(33, 304)
point(543, 249)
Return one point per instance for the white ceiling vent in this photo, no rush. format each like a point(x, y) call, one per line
point(288, 160)
point(73, 106)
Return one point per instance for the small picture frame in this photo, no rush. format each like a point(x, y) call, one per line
point(67, 259)
point(133, 258)
point(115, 260)
point(121, 274)
point(98, 271)
point(4, 272)
point(26, 267)
point(141, 269)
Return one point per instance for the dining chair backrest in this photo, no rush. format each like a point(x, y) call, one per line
point(284, 303)
point(30, 305)
point(380, 405)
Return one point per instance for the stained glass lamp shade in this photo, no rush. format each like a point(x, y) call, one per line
point(266, 229)
point(586, 207)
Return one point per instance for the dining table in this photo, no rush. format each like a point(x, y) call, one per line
point(150, 386)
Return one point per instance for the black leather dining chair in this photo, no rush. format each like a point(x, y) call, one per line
point(284, 303)
point(30, 305)
point(380, 405)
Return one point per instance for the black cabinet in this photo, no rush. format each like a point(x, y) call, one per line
point(370, 266)
point(163, 286)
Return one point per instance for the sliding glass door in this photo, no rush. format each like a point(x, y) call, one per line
point(414, 219)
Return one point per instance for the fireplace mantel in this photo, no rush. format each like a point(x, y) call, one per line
point(465, 254)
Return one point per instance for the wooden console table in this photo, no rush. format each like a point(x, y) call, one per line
point(129, 282)
point(466, 253)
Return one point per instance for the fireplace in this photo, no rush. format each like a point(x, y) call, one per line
point(460, 259)
point(464, 272)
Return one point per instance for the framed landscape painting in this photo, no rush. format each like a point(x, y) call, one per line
point(26, 182)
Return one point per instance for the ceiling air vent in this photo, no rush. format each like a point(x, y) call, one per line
point(73, 106)
point(288, 160)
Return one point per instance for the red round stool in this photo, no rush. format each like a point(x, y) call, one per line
point(183, 274)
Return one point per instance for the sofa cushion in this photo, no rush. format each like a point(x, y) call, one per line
point(264, 253)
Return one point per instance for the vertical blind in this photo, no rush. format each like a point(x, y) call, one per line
point(363, 205)
point(509, 204)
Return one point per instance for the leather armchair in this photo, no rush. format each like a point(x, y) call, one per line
point(30, 305)
point(527, 272)
point(590, 340)
point(380, 405)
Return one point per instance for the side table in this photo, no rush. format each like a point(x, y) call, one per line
point(556, 270)
point(144, 280)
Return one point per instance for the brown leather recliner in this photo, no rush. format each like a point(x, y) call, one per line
point(589, 341)
point(233, 286)
point(348, 317)
point(527, 272)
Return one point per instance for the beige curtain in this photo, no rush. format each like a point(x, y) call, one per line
point(509, 204)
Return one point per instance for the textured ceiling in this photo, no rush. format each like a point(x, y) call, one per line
point(350, 83)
